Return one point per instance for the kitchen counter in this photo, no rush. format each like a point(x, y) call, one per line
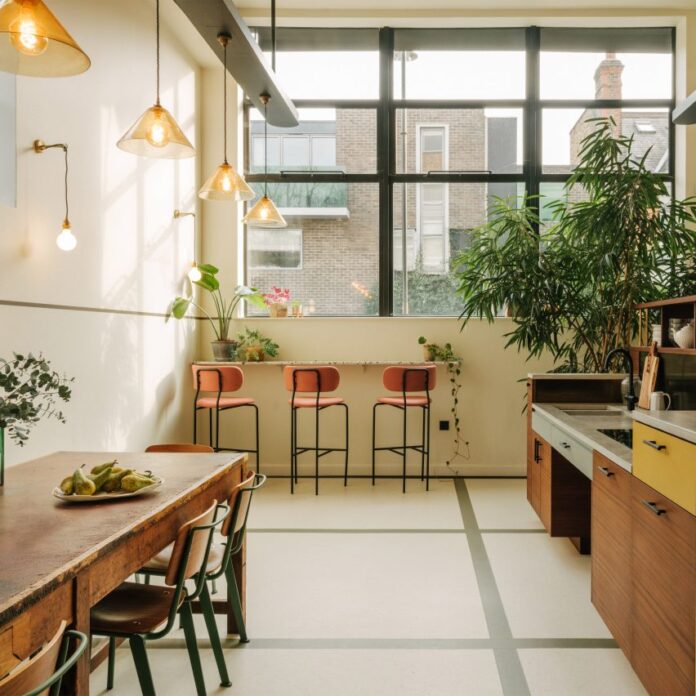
point(681, 424)
point(585, 428)
point(580, 376)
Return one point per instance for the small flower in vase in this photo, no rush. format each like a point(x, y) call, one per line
point(277, 301)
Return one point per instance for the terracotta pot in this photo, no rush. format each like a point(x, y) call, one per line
point(428, 354)
point(254, 354)
point(225, 351)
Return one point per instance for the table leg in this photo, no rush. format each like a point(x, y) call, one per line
point(81, 586)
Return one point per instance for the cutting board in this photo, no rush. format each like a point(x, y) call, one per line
point(652, 364)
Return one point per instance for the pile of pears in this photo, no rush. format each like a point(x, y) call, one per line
point(105, 478)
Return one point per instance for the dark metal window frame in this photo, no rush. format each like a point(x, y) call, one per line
point(386, 106)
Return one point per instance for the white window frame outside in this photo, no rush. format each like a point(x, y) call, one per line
point(300, 267)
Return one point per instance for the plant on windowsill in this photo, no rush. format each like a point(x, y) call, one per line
point(436, 353)
point(224, 348)
point(254, 347)
point(29, 391)
point(277, 301)
point(615, 239)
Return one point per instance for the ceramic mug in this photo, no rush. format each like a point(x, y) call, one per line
point(660, 401)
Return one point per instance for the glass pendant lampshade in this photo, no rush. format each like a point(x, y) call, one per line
point(156, 133)
point(34, 43)
point(265, 214)
point(225, 183)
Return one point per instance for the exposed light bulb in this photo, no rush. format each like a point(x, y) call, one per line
point(157, 133)
point(66, 240)
point(226, 183)
point(26, 35)
point(195, 274)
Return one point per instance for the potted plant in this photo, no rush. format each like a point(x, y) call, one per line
point(224, 348)
point(277, 301)
point(254, 347)
point(29, 391)
point(615, 239)
point(428, 353)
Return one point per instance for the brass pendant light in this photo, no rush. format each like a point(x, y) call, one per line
point(156, 133)
point(225, 183)
point(264, 213)
point(36, 43)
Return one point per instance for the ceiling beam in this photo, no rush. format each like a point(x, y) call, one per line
point(246, 62)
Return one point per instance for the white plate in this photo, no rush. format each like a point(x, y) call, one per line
point(101, 497)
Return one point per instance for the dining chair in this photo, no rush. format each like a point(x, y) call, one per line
point(142, 613)
point(316, 381)
point(218, 381)
point(407, 380)
point(46, 669)
point(220, 563)
point(181, 447)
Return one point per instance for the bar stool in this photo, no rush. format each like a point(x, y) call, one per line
point(407, 380)
point(221, 380)
point(312, 380)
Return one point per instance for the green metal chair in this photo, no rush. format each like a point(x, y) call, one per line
point(46, 669)
point(141, 613)
point(219, 564)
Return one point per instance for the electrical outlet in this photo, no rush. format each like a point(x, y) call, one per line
point(444, 425)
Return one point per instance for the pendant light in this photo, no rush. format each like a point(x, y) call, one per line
point(264, 213)
point(36, 43)
point(194, 273)
point(225, 183)
point(156, 133)
point(66, 240)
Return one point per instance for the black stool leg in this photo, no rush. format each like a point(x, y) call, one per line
point(258, 442)
point(292, 450)
point(427, 456)
point(403, 490)
point(195, 425)
point(423, 448)
point(297, 475)
point(374, 425)
point(316, 454)
point(210, 426)
point(217, 429)
point(345, 474)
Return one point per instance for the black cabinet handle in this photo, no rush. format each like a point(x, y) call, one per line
point(654, 445)
point(653, 508)
point(603, 470)
point(537, 445)
point(565, 445)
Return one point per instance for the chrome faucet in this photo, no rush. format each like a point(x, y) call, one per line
point(631, 398)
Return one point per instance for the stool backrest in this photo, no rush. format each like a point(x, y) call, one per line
point(311, 379)
point(183, 447)
point(225, 378)
point(239, 503)
point(198, 548)
point(410, 379)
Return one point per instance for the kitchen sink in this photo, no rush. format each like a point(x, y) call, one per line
point(622, 435)
point(594, 412)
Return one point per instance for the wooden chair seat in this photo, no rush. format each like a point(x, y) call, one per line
point(133, 608)
point(158, 564)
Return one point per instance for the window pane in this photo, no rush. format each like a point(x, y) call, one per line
point(564, 129)
point(443, 64)
point(439, 219)
point(465, 140)
point(339, 272)
point(274, 248)
point(598, 76)
point(325, 139)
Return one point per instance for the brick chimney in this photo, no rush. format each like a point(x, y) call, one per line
point(608, 78)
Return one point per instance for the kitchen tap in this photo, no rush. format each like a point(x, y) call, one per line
point(631, 397)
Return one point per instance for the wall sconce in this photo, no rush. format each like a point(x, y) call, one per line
point(194, 273)
point(66, 239)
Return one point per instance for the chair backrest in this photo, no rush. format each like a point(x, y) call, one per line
point(400, 378)
point(311, 379)
point(184, 447)
point(225, 378)
point(239, 502)
point(200, 542)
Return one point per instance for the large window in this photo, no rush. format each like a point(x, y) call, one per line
point(407, 137)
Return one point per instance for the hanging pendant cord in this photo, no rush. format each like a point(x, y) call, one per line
point(67, 210)
point(265, 147)
point(224, 92)
point(273, 34)
point(157, 10)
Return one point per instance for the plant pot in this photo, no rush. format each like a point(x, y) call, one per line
point(428, 354)
point(225, 351)
point(278, 309)
point(255, 354)
point(2, 457)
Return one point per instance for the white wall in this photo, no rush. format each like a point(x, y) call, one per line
point(131, 372)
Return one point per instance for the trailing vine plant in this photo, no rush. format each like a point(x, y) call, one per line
point(432, 353)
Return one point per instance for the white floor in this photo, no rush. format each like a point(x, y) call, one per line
point(364, 591)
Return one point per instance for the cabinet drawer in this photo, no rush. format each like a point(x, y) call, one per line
point(666, 463)
point(611, 479)
point(578, 455)
point(541, 426)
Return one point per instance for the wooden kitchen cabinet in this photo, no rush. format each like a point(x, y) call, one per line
point(539, 479)
point(611, 548)
point(663, 564)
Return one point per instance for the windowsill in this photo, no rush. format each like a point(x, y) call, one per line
point(335, 317)
point(316, 213)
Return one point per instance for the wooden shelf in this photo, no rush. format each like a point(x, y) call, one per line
point(666, 351)
point(691, 299)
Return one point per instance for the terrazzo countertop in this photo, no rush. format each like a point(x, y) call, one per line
point(681, 424)
point(587, 376)
point(585, 428)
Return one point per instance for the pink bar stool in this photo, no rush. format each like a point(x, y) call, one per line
point(316, 381)
point(221, 380)
point(407, 380)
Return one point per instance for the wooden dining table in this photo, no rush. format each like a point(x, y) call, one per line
point(57, 559)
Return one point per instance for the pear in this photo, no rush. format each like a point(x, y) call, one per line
point(100, 467)
point(67, 486)
point(82, 485)
point(101, 478)
point(113, 483)
point(134, 482)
